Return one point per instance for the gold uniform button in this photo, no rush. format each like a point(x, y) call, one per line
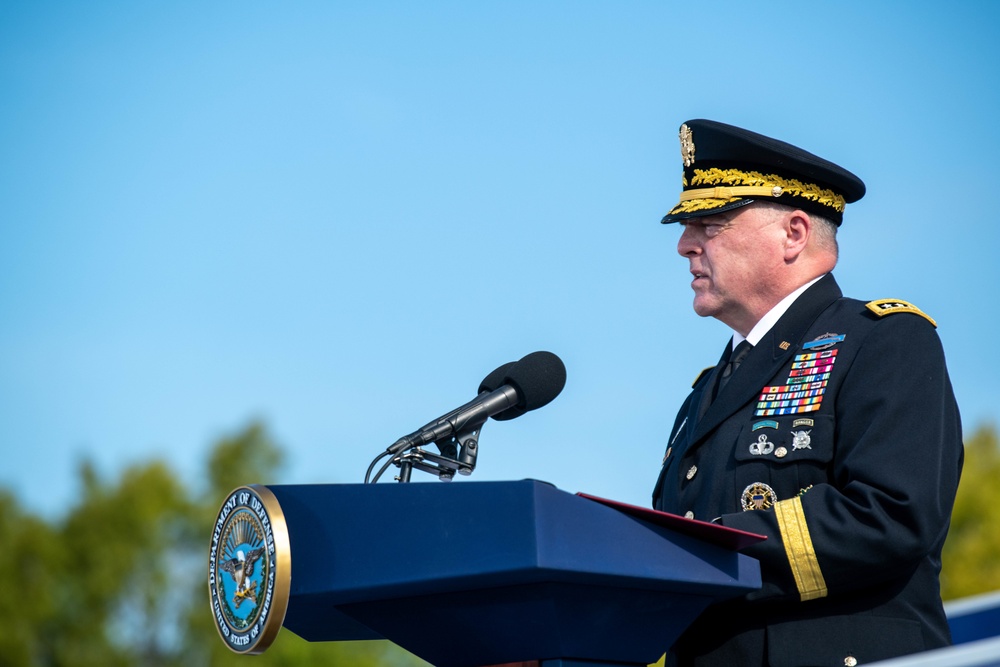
point(689, 514)
point(780, 452)
point(850, 661)
point(692, 471)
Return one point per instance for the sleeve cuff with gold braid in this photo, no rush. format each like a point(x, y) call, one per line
point(799, 549)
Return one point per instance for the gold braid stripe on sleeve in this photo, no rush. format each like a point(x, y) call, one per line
point(799, 549)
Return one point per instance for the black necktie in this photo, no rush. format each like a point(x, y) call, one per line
point(735, 359)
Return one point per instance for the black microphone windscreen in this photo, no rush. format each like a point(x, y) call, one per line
point(538, 378)
point(495, 380)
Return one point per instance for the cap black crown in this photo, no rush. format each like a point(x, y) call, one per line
point(726, 167)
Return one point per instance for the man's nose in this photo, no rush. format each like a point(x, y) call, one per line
point(687, 245)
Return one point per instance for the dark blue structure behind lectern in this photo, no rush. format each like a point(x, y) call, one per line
point(470, 574)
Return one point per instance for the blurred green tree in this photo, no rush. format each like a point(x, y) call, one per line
point(252, 457)
point(121, 580)
point(970, 561)
point(30, 560)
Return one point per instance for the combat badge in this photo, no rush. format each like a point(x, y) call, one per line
point(249, 570)
point(824, 342)
point(758, 496)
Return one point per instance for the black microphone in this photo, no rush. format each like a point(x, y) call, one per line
point(495, 380)
point(507, 392)
point(538, 378)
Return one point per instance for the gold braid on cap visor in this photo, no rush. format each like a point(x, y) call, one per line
point(731, 185)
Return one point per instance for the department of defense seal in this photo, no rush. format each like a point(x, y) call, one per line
point(249, 569)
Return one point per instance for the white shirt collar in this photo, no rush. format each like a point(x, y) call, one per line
point(772, 316)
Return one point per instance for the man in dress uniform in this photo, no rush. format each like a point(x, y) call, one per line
point(829, 424)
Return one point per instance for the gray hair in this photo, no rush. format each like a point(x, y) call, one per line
point(826, 234)
point(824, 230)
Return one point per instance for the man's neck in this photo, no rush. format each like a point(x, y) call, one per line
point(772, 316)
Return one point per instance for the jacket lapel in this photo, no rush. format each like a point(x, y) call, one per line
point(768, 356)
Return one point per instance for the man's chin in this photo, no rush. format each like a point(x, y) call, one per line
point(704, 309)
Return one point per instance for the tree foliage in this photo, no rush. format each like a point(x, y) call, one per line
point(121, 580)
point(970, 561)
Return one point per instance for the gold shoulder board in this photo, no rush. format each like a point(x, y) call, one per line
point(883, 307)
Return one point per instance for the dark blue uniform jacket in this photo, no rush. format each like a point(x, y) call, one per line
point(839, 438)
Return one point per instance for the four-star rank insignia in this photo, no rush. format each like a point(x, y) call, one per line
point(249, 570)
point(883, 307)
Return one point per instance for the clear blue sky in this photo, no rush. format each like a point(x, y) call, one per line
point(339, 216)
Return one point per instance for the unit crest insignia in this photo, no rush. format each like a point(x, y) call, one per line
point(249, 569)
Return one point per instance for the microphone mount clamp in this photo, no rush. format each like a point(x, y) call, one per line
point(458, 454)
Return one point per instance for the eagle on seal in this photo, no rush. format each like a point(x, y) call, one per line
point(241, 569)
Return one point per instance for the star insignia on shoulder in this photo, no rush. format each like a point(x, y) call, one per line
point(883, 307)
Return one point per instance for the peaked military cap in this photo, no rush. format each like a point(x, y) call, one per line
point(726, 167)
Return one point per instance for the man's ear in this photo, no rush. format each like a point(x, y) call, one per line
point(798, 229)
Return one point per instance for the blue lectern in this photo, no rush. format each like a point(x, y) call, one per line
point(482, 573)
